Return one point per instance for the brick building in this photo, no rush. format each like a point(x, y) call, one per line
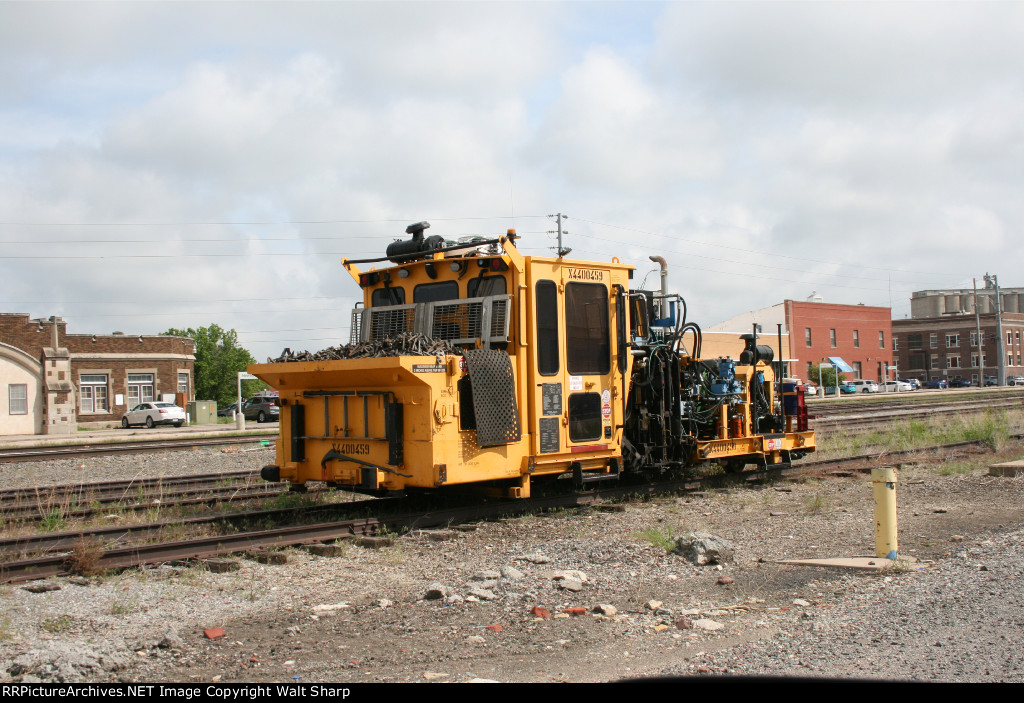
point(55, 381)
point(814, 331)
point(940, 340)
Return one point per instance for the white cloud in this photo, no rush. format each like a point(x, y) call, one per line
point(765, 148)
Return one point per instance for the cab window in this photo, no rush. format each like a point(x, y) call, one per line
point(588, 338)
point(433, 292)
point(483, 287)
point(547, 328)
point(392, 295)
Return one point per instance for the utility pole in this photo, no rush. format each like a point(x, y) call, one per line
point(999, 328)
point(560, 250)
point(978, 337)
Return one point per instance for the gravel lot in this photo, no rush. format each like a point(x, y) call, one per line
point(955, 615)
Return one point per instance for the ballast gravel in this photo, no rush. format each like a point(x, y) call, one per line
point(577, 596)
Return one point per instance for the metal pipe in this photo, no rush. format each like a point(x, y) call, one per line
point(884, 484)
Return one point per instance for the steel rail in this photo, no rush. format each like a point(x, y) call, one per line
point(99, 487)
point(198, 548)
point(109, 536)
point(63, 451)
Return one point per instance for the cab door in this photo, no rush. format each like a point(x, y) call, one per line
point(588, 358)
point(572, 369)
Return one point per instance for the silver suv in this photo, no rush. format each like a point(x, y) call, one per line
point(262, 408)
point(863, 386)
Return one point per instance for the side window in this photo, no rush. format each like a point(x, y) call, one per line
point(588, 338)
point(547, 328)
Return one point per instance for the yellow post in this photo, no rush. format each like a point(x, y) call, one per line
point(884, 482)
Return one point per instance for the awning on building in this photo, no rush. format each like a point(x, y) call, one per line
point(838, 362)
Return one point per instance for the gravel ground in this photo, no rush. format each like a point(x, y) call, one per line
point(954, 615)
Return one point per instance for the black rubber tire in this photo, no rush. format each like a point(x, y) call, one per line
point(262, 417)
point(124, 423)
point(149, 422)
point(178, 424)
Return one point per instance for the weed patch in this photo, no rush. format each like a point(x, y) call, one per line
point(663, 538)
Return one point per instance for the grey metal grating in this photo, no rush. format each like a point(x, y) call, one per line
point(457, 321)
point(494, 396)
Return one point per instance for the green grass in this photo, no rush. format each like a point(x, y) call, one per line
point(817, 503)
point(61, 623)
point(992, 429)
point(662, 537)
point(53, 520)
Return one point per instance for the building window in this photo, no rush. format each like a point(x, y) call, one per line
point(17, 399)
point(857, 372)
point(809, 364)
point(1009, 337)
point(933, 340)
point(895, 343)
point(935, 361)
point(974, 359)
point(140, 388)
point(881, 340)
point(832, 338)
point(183, 383)
point(807, 336)
point(952, 341)
point(856, 338)
point(93, 392)
point(953, 361)
point(1009, 359)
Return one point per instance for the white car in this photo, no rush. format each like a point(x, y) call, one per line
point(894, 386)
point(154, 413)
point(863, 386)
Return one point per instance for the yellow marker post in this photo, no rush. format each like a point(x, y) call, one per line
point(884, 482)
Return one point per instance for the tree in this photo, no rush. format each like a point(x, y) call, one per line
point(218, 361)
point(828, 376)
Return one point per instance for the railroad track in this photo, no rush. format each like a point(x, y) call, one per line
point(884, 417)
point(66, 451)
point(68, 547)
point(82, 500)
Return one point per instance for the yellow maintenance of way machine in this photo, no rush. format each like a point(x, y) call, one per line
point(490, 367)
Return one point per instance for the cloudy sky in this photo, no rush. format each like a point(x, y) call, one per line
point(181, 164)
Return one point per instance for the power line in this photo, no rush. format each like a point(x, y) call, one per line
point(260, 223)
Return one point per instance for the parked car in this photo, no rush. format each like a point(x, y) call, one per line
point(895, 387)
point(959, 382)
point(228, 411)
point(914, 383)
point(991, 380)
point(865, 386)
point(151, 414)
point(847, 387)
point(1015, 380)
point(262, 408)
point(810, 389)
point(938, 383)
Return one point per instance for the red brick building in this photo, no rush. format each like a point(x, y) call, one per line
point(860, 334)
point(813, 331)
point(55, 381)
